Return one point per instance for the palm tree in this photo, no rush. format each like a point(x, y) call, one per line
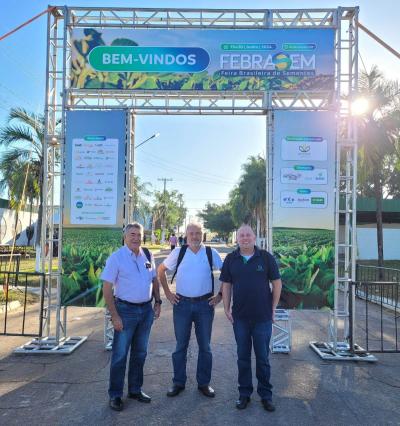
point(23, 137)
point(141, 207)
point(379, 138)
point(21, 180)
point(169, 208)
point(248, 199)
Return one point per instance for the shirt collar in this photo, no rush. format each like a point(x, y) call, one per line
point(202, 247)
point(131, 253)
point(256, 252)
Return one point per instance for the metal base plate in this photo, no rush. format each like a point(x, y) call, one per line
point(327, 352)
point(48, 345)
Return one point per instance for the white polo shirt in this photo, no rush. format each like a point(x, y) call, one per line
point(131, 275)
point(193, 278)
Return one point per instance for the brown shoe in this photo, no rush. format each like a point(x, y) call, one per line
point(207, 391)
point(268, 405)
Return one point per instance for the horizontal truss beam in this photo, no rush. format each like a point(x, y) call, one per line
point(201, 18)
point(206, 103)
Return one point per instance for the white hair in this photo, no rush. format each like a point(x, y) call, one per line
point(136, 225)
point(194, 225)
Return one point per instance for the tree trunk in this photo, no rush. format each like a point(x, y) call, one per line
point(30, 224)
point(39, 222)
point(379, 222)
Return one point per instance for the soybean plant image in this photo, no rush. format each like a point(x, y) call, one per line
point(84, 76)
point(306, 260)
point(84, 255)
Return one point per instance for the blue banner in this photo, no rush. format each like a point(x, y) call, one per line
point(212, 60)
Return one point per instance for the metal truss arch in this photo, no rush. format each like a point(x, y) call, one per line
point(60, 97)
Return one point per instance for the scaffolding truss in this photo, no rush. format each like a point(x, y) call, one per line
point(60, 97)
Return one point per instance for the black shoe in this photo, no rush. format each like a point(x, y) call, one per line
point(116, 404)
point(242, 402)
point(207, 391)
point(175, 390)
point(268, 405)
point(141, 396)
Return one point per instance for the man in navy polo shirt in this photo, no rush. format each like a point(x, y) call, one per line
point(249, 271)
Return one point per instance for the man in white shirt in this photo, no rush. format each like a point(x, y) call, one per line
point(129, 283)
point(193, 302)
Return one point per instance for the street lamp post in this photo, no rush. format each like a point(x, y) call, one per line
point(156, 135)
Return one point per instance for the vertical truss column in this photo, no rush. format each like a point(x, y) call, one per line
point(269, 161)
point(346, 175)
point(51, 159)
point(130, 168)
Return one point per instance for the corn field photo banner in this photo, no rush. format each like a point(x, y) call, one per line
point(93, 211)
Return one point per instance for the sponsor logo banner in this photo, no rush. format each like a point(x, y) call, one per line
point(303, 207)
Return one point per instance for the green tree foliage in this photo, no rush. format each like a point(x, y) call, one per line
point(218, 218)
point(23, 138)
point(141, 207)
point(248, 199)
point(379, 155)
point(169, 208)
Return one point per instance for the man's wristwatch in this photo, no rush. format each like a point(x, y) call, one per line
point(220, 293)
point(158, 302)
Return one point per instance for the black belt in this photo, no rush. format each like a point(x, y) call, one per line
point(132, 303)
point(195, 299)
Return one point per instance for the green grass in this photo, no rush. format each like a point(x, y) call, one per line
point(14, 295)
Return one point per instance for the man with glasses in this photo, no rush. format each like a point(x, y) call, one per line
point(129, 283)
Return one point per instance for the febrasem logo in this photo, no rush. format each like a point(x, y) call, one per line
point(148, 59)
point(281, 61)
point(304, 148)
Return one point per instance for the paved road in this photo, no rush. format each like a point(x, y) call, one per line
point(71, 390)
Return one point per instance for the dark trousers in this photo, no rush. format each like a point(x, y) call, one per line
point(201, 314)
point(137, 322)
point(258, 335)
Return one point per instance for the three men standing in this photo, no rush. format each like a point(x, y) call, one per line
point(131, 273)
point(248, 271)
point(193, 302)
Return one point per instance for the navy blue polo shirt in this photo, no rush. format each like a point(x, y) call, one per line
point(252, 296)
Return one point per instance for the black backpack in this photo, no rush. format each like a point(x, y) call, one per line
point(181, 254)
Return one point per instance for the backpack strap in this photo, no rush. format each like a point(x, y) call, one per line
point(146, 251)
point(181, 254)
point(210, 262)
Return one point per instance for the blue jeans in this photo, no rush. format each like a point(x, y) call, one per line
point(137, 322)
point(202, 315)
point(259, 334)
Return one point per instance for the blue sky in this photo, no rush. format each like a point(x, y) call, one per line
point(202, 154)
